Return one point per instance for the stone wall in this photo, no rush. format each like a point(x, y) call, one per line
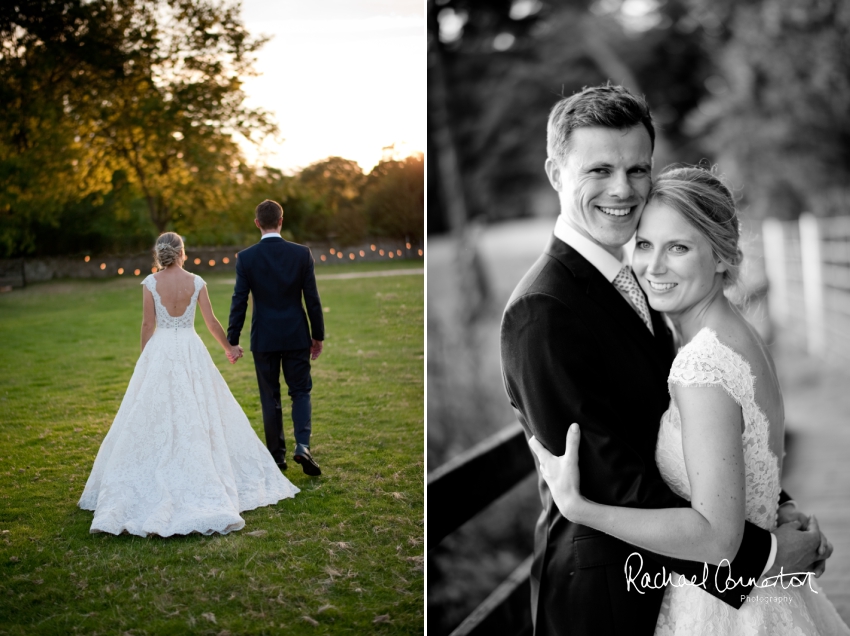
point(22, 271)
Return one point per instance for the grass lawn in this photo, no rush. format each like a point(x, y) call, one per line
point(344, 557)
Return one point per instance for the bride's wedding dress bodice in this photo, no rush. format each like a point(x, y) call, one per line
point(705, 361)
point(770, 610)
point(164, 320)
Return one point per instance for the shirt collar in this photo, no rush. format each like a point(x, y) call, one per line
point(270, 235)
point(608, 265)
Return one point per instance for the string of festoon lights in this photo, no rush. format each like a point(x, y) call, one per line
point(333, 252)
point(340, 254)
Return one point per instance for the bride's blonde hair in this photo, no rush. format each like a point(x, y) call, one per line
point(166, 250)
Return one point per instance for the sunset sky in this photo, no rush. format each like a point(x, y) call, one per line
point(343, 77)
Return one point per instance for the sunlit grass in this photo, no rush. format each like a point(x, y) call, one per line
point(344, 556)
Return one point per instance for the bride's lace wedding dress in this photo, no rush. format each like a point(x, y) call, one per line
point(772, 611)
point(181, 456)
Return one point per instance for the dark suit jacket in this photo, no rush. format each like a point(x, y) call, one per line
point(277, 273)
point(573, 350)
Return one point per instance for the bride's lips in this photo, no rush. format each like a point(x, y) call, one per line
point(660, 288)
point(616, 211)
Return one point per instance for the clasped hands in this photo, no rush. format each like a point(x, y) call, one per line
point(234, 352)
point(801, 546)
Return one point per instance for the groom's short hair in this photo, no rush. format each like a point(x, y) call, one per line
point(606, 105)
point(269, 213)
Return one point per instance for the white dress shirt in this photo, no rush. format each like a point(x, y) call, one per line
point(270, 234)
point(609, 266)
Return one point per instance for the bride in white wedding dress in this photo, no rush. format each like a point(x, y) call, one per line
point(180, 456)
point(720, 444)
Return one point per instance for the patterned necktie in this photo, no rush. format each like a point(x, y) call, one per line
point(625, 282)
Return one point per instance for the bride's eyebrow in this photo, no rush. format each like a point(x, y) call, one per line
point(672, 241)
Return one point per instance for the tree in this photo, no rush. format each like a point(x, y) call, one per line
point(172, 116)
point(394, 199)
point(150, 87)
point(337, 182)
point(54, 58)
point(778, 119)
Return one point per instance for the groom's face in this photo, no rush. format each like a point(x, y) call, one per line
point(603, 183)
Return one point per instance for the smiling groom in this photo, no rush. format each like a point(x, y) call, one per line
point(579, 343)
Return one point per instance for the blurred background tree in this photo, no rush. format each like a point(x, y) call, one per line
point(394, 197)
point(56, 58)
point(759, 86)
point(170, 118)
point(777, 117)
point(337, 183)
point(119, 119)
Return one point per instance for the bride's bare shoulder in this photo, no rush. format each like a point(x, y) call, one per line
point(740, 336)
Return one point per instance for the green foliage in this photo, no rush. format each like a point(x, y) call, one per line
point(110, 222)
point(110, 108)
point(49, 69)
point(346, 551)
point(170, 118)
point(394, 198)
point(150, 87)
point(332, 200)
point(337, 183)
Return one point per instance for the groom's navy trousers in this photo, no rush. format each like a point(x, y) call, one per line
point(278, 274)
point(296, 373)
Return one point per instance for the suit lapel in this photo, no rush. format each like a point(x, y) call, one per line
point(612, 304)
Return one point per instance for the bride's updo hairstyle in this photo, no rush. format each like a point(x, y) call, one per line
point(167, 249)
point(706, 203)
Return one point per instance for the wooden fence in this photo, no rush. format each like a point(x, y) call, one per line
point(807, 263)
point(466, 485)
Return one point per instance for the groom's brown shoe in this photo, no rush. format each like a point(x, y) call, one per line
point(307, 463)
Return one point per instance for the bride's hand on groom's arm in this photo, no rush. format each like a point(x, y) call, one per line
point(562, 475)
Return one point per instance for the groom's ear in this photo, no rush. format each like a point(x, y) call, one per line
point(553, 171)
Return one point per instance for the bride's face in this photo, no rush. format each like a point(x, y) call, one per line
point(673, 261)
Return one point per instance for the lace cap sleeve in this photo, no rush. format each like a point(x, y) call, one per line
point(705, 361)
point(149, 282)
point(199, 282)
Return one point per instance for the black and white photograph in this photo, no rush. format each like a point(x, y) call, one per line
point(638, 317)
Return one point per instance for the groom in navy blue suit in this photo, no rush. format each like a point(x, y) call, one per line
point(277, 274)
